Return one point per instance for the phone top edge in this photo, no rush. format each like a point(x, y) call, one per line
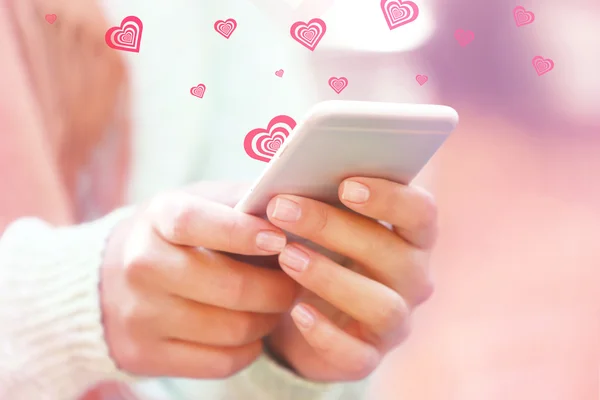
point(345, 114)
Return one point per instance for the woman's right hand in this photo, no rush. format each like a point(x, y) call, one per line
point(173, 304)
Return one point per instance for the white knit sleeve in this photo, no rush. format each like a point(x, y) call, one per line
point(51, 336)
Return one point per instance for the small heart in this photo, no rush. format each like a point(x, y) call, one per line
point(226, 28)
point(422, 79)
point(542, 65)
point(279, 73)
point(464, 37)
point(522, 16)
point(338, 84)
point(198, 91)
point(50, 18)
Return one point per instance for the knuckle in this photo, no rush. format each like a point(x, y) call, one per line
point(404, 331)
point(361, 367)
point(132, 317)
point(425, 291)
point(392, 313)
point(399, 335)
point(232, 227)
point(323, 340)
point(240, 329)
point(183, 216)
point(130, 357)
point(234, 289)
point(321, 217)
point(427, 211)
point(138, 267)
point(226, 365)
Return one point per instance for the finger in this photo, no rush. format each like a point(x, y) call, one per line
point(184, 219)
point(190, 360)
point(373, 304)
point(207, 277)
point(387, 258)
point(411, 210)
point(351, 357)
point(333, 228)
point(189, 321)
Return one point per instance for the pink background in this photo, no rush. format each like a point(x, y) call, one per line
point(516, 312)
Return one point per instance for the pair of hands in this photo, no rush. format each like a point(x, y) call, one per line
point(181, 295)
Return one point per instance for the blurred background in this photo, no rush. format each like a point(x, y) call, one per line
point(517, 307)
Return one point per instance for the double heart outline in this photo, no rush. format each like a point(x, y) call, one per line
point(310, 33)
point(338, 84)
point(226, 27)
point(259, 142)
point(198, 90)
point(398, 13)
point(127, 36)
point(522, 16)
point(542, 65)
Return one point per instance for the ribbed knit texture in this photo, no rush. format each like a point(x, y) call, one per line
point(51, 336)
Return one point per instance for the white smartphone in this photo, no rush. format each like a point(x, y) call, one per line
point(342, 139)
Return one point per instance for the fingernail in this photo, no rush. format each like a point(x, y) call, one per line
point(286, 210)
point(355, 192)
point(270, 241)
point(294, 258)
point(303, 316)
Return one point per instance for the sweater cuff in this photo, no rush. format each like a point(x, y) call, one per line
point(51, 335)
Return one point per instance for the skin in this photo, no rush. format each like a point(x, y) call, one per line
point(176, 304)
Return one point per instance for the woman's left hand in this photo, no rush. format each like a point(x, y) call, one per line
point(350, 316)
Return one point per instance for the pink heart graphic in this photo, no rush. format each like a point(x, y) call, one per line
point(421, 79)
point(198, 91)
point(279, 73)
point(464, 37)
point(309, 34)
point(226, 28)
point(523, 17)
point(126, 37)
point(50, 18)
point(542, 65)
point(398, 13)
point(262, 144)
point(338, 84)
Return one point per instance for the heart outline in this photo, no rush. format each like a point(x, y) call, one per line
point(198, 90)
point(254, 142)
point(333, 83)
point(230, 23)
point(116, 33)
point(538, 61)
point(299, 28)
point(422, 79)
point(528, 16)
point(388, 7)
point(464, 37)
